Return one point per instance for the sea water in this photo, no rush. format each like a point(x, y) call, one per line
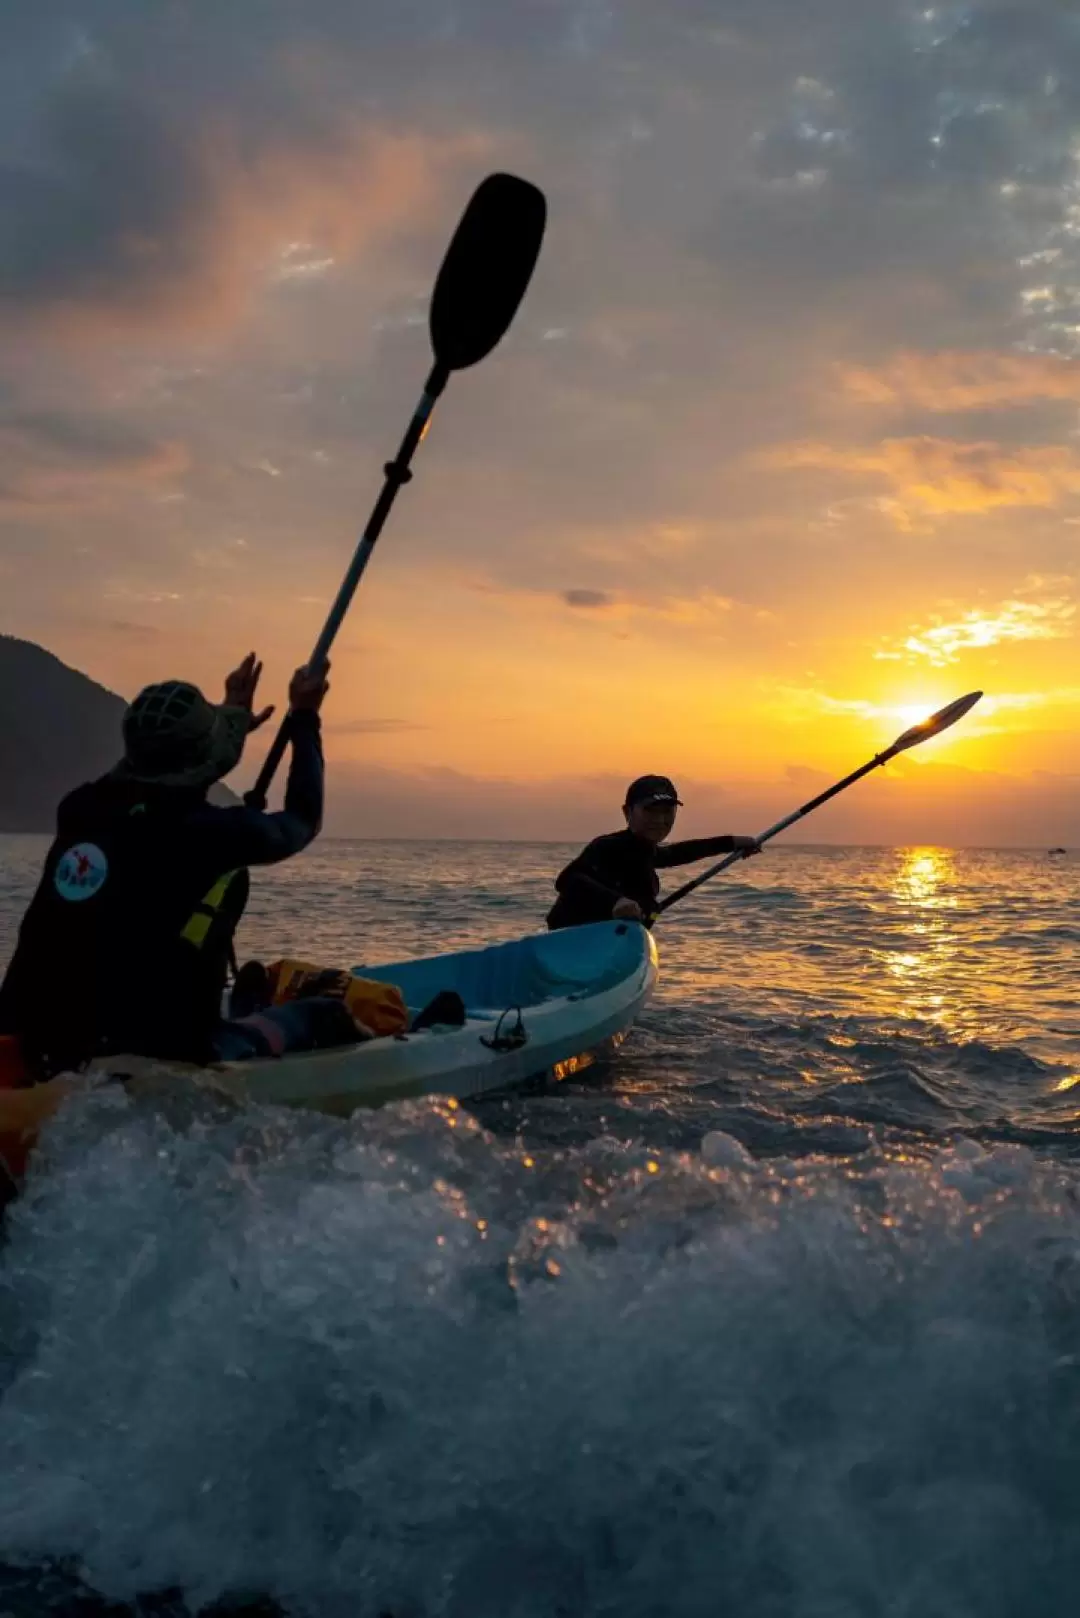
point(777, 1315)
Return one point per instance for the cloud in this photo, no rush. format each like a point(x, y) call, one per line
point(798, 703)
point(128, 214)
point(137, 633)
point(952, 380)
point(1023, 701)
point(371, 727)
point(938, 477)
point(703, 609)
point(942, 642)
point(55, 461)
point(803, 702)
point(926, 160)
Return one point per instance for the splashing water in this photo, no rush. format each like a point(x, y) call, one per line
point(395, 1365)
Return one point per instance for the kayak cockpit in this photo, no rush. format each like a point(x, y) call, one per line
point(570, 964)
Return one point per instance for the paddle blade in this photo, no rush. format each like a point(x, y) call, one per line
point(936, 723)
point(487, 269)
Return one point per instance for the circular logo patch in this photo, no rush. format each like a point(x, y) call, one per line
point(81, 872)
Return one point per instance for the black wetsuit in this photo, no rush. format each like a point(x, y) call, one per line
point(622, 866)
point(125, 944)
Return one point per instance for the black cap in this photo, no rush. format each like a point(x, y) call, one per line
point(652, 789)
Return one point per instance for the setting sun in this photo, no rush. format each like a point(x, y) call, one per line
point(915, 713)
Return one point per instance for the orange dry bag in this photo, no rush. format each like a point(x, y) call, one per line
point(378, 1007)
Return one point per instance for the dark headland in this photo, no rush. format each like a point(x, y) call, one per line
point(58, 728)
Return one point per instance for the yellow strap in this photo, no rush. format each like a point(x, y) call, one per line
point(196, 929)
point(217, 893)
point(198, 924)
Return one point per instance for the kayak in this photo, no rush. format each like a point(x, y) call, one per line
point(540, 1007)
point(544, 1006)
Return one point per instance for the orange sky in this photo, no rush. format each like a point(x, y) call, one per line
point(781, 451)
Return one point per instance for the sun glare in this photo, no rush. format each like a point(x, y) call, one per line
point(913, 713)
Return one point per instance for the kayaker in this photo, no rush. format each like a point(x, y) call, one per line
point(126, 943)
point(615, 876)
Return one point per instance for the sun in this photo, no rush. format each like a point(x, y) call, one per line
point(913, 713)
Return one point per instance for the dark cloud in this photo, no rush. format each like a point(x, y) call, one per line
point(49, 459)
point(819, 140)
point(589, 599)
point(137, 633)
point(140, 201)
point(95, 440)
point(115, 205)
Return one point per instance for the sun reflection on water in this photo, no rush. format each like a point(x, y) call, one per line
point(924, 956)
point(945, 946)
point(923, 880)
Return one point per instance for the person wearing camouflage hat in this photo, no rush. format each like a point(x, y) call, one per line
point(126, 943)
point(174, 737)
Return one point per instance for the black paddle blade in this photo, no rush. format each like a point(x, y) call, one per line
point(937, 722)
point(486, 271)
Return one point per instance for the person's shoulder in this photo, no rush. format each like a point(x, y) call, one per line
point(84, 793)
point(607, 842)
point(74, 804)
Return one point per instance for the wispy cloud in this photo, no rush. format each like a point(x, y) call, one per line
point(799, 703)
point(371, 727)
point(939, 477)
point(805, 702)
point(1066, 696)
point(953, 379)
point(943, 640)
point(50, 460)
point(704, 609)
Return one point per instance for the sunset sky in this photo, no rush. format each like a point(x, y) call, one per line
point(781, 452)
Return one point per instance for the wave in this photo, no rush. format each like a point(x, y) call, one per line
point(399, 1366)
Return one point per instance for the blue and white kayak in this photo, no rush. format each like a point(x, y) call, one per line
point(539, 1007)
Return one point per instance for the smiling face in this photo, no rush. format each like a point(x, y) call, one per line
point(651, 820)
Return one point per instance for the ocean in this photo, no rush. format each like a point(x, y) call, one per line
point(774, 1315)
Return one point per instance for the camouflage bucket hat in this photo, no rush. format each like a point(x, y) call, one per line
point(174, 737)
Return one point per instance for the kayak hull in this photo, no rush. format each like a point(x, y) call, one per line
point(541, 1007)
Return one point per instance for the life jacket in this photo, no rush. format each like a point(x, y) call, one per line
point(126, 943)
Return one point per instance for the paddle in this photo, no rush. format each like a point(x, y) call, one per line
point(933, 726)
point(479, 288)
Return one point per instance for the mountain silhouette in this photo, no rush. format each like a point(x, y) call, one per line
point(58, 728)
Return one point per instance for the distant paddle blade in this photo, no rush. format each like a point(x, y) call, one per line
point(937, 722)
point(487, 269)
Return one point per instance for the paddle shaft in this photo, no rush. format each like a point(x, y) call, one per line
point(781, 825)
point(396, 472)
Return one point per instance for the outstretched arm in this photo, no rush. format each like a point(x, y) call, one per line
point(245, 836)
point(703, 848)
